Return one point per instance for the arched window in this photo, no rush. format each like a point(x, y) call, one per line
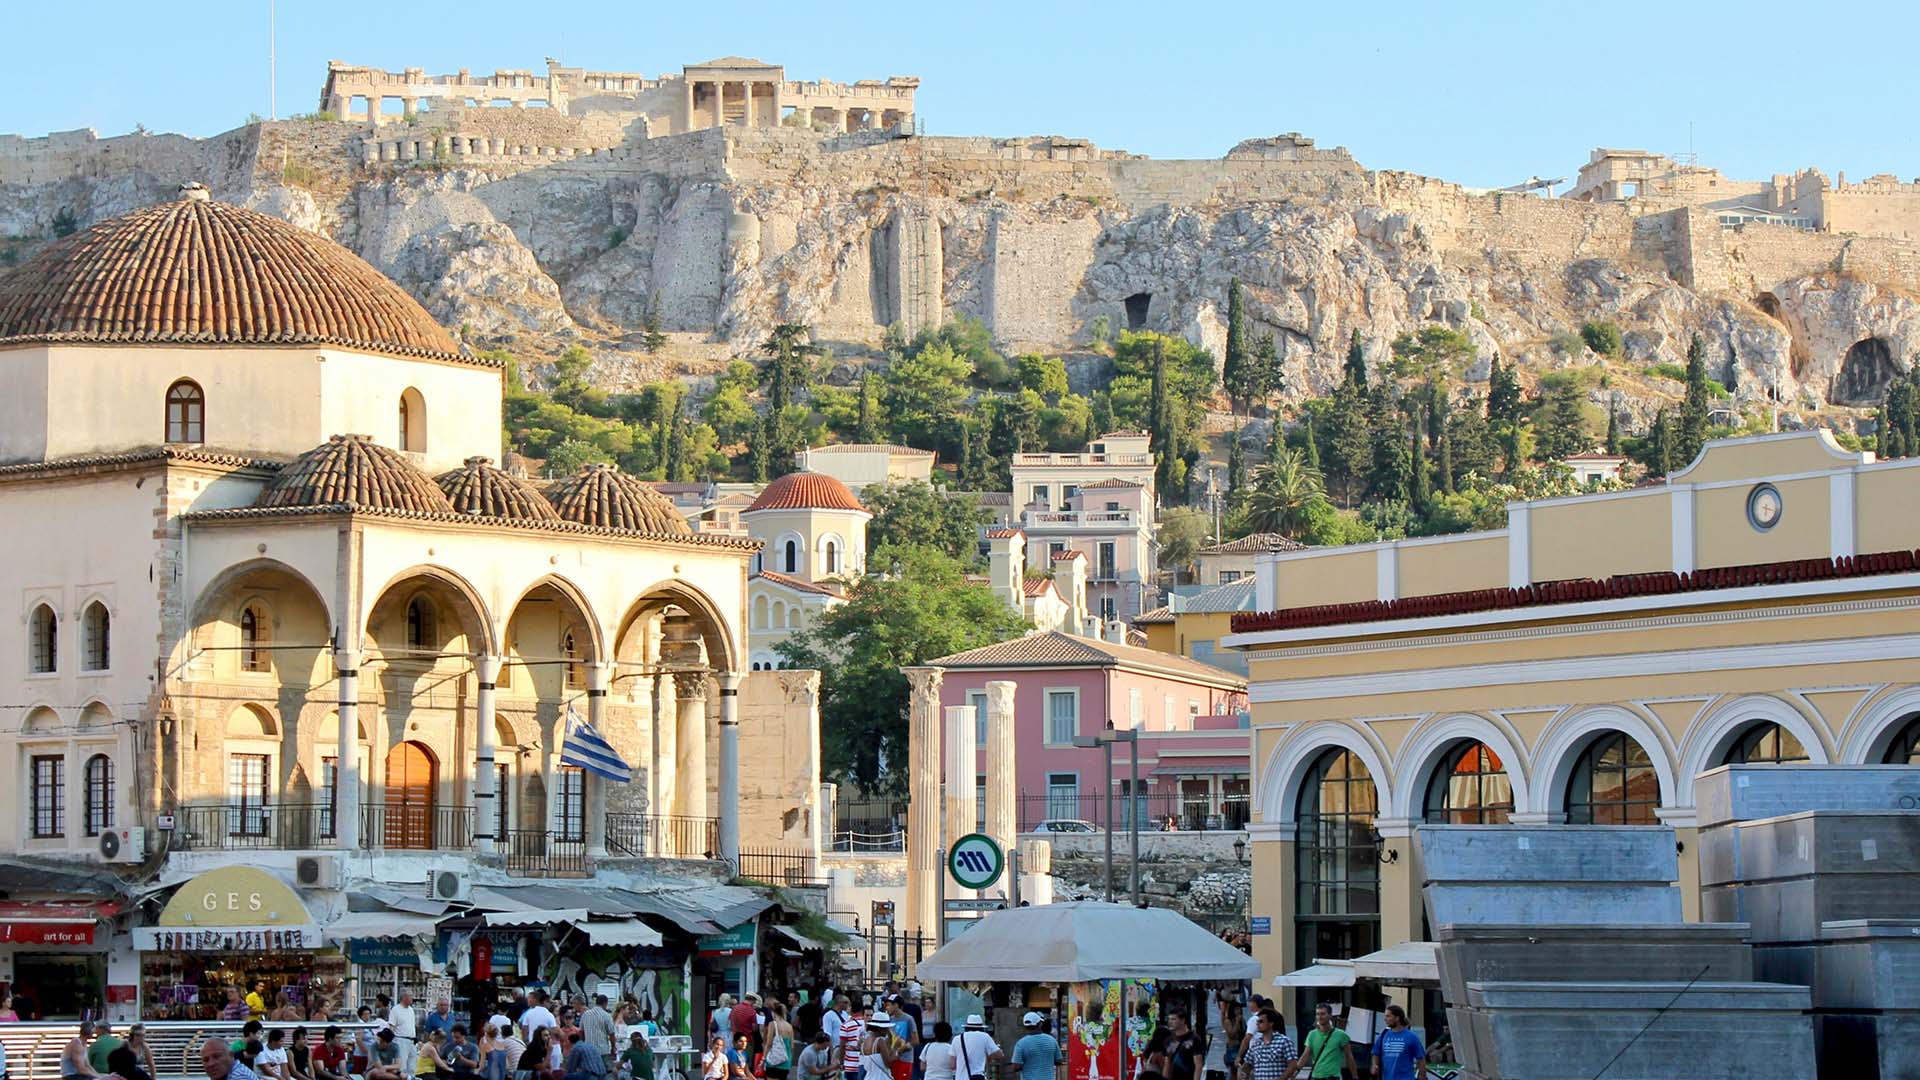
point(47, 795)
point(94, 637)
point(256, 634)
point(570, 803)
point(833, 557)
point(1469, 787)
point(1766, 743)
point(99, 794)
point(186, 413)
point(420, 630)
point(760, 612)
point(43, 640)
point(1905, 747)
point(576, 671)
point(1337, 869)
point(1614, 783)
point(792, 563)
point(413, 421)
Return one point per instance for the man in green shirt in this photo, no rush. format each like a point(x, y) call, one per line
point(1327, 1052)
point(102, 1047)
point(636, 1061)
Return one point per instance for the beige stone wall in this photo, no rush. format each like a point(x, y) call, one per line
point(1628, 534)
point(779, 760)
point(1471, 563)
point(1345, 576)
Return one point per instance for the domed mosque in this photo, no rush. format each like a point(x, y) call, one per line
point(249, 462)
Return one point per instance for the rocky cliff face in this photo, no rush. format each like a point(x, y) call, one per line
point(728, 233)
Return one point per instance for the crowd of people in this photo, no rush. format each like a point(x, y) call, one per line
point(1265, 1051)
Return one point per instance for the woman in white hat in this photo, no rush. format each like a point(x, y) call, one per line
point(877, 1051)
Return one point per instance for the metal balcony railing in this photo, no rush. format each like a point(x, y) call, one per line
point(301, 826)
point(662, 836)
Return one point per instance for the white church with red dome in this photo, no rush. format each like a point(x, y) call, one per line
point(814, 531)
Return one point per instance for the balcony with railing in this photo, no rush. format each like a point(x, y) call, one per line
point(1070, 460)
point(662, 836)
point(1080, 519)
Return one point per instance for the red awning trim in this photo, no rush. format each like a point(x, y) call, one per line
point(59, 911)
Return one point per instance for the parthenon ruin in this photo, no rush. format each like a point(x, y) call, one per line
point(730, 91)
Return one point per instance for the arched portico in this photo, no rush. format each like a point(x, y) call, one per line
point(1429, 743)
point(1710, 736)
point(1287, 764)
point(1876, 723)
point(555, 669)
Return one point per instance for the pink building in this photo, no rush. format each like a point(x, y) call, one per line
point(1191, 718)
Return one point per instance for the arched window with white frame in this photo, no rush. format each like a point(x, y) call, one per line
point(95, 637)
point(43, 641)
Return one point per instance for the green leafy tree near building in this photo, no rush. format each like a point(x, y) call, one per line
point(915, 512)
point(917, 607)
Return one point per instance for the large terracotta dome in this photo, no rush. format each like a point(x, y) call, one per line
point(806, 491)
point(198, 272)
point(355, 471)
point(606, 498)
point(479, 488)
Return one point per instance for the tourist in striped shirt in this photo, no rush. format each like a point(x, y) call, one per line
point(1269, 1051)
point(853, 1025)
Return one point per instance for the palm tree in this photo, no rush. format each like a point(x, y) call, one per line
point(1284, 491)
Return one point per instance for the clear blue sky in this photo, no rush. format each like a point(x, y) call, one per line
point(1480, 93)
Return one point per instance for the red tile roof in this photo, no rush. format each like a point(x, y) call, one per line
point(604, 497)
point(1254, 544)
point(1111, 482)
point(196, 272)
point(806, 491)
point(1039, 586)
point(798, 584)
point(479, 488)
point(1055, 649)
point(1578, 590)
point(353, 470)
point(1003, 533)
point(1063, 556)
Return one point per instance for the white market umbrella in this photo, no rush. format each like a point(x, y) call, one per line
point(1086, 940)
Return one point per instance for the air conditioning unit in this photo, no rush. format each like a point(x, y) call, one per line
point(317, 872)
point(123, 845)
point(449, 885)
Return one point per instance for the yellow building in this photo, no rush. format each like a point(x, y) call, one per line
point(1583, 664)
point(1192, 626)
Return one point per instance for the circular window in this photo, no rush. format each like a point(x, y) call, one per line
point(1764, 507)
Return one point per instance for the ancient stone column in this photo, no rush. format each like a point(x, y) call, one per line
point(746, 115)
point(719, 104)
point(690, 749)
point(923, 796)
point(963, 800)
point(686, 111)
point(666, 792)
point(593, 789)
point(486, 809)
point(729, 794)
point(346, 792)
point(1002, 788)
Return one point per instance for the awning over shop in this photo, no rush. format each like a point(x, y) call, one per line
point(1410, 963)
point(1086, 940)
point(375, 897)
point(701, 910)
point(379, 924)
point(624, 932)
point(54, 922)
point(1321, 973)
point(536, 917)
point(1200, 768)
point(801, 939)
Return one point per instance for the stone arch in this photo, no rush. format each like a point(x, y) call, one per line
point(1874, 726)
point(1570, 732)
point(760, 609)
point(96, 716)
point(40, 720)
point(596, 642)
point(252, 720)
point(725, 653)
point(1709, 736)
point(790, 555)
point(1433, 737)
point(217, 593)
point(1288, 761)
point(471, 610)
point(1865, 370)
point(833, 555)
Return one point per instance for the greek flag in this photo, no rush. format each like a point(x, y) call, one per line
point(586, 749)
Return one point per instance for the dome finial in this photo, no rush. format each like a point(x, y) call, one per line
point(195, 191)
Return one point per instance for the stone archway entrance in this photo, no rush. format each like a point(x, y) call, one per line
point(1864, 373)
point(412, 775)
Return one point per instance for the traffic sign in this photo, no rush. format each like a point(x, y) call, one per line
point(985, 904)
point(1260, 924)
point(975, 861)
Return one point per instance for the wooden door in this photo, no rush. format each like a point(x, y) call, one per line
point(409, 806)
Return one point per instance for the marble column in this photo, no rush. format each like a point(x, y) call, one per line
point(690, 749)
point(746, 115)
point(1002, 789)
point(593, 789)
point(963, 797)
point(729, 793)
point(486, 808)
point(686, 101)
point(719, 104)
point(923, 797)
point(666, 792)
point(346, 791)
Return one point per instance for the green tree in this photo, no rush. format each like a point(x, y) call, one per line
point(1286, 490)
point(1242, 373)
point(1310, 447)
point(1613, 426)
point(1470, 443)
point(1355, 372)
point(1266, 357)
point(915, 512)
point(919, 608)
point(1503, 394)
point(572, 455)
point(730, 412)
point(64, 222)
point(789, 372)
point(1601, 337)
point(1419, 493)
point(1349, 451)
point(652, 337)
point(760, 451)
point(1563, 427)
point(1184, 530)
point(1693, 414)
point(1389, 460)
point(922, 393)
point(1044, 375)
point(1433, 352)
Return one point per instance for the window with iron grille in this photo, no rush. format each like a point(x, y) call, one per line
point(43, 644)
point(254, 635)
point(99, 794)
point(571, 799)
point(95, 637)
point(502, 800)
point(247, 794)
point(49, 803)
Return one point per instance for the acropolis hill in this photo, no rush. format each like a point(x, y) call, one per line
point(539, 210)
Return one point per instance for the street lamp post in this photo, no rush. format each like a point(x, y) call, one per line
point(1105, 742)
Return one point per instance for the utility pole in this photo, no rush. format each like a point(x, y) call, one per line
point(273, 61)
point(1133, 818)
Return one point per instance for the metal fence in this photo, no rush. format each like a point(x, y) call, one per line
point(302, 826)
point(33, 1048)
point(1157, 812)
point(869, 825)
point(669, 836)
point(780, 867)
point(533, 853)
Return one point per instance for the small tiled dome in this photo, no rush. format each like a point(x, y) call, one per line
point(353, 470)
point(479, 488)
point(606, 498)
point(806, 491)
point(198, 272)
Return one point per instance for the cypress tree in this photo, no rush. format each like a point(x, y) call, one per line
point(1613, 426)
point(1356, 368)
point(1446, 462)
point(1266, 359)
point(1661, 452)
point(676, 467)
point(1419, 494)
point(867, 427)
point(1237, 372)
point(759, 451)
point(1503, 394)
point(1313, 445)
point(1236, 471)
point(1693, 414)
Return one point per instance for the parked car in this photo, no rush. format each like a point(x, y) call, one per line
point(1066, 825)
